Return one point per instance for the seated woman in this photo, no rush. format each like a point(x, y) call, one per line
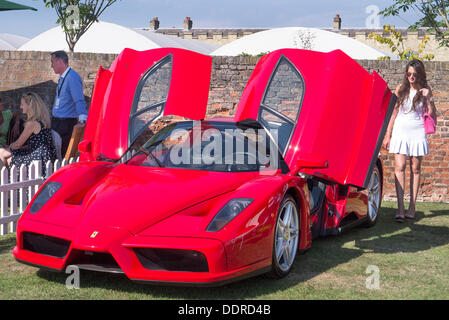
point(9, 125)
point(35, 142)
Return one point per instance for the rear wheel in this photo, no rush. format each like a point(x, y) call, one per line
point(286, 237)
point(374, 197)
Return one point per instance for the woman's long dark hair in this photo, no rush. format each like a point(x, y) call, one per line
point(421, 82)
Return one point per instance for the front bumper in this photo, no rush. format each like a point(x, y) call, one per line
point(114, 250)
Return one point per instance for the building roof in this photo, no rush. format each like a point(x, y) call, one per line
point(105, 37)
point(210, 32)
point(11, 41)
point(302, 38)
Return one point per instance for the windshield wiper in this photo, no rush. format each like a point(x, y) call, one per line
point(102, 157)
point(151, 155)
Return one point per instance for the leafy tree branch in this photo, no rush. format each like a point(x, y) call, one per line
point(77, 16)
point(395, 41)
point(435, 16)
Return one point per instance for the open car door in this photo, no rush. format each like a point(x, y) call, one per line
point(328, 114)
point(138, 88)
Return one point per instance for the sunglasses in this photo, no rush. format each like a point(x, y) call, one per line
point(409, 74)
point(29, 94)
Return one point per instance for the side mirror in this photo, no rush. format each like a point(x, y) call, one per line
point(309, 161)
point(84, 146)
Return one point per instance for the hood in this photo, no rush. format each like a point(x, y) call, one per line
point(134, 198)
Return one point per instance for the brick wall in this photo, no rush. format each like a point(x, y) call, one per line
point(24, 71)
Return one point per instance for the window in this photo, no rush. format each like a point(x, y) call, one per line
point(150, 97)
point(210, 146)
point(281, 103)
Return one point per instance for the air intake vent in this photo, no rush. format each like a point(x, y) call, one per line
point(172, 259)
point(94, 261)
point(43, 244)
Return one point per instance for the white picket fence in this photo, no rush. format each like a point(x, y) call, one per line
point(14, 184)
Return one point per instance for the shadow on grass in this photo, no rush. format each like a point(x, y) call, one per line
point(386, 237)
point(420, 237)
point(6, 243)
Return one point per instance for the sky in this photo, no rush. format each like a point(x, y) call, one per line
point(216, 14)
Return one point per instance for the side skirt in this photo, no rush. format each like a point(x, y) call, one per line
point(339, 230)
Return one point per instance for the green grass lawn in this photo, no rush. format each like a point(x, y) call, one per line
point(412, 259)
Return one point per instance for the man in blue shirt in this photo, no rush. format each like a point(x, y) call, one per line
point(69, 107)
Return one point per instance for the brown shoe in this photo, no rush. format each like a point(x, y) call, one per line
point(409, 216)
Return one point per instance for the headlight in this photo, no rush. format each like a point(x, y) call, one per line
point(44, 195)
point(227, 213)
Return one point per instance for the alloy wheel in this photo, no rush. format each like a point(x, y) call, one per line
point(374, 195)
point(287, 235)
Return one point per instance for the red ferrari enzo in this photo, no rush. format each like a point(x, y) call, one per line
point(206, 202)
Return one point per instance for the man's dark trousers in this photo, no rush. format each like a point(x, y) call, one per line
point(64, 126)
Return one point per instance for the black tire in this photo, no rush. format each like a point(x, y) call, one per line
point(286, 238)
point(374, 197)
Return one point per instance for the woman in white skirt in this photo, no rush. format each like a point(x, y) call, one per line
point(405, 135)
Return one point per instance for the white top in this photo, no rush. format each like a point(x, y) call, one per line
point(408, 136)
point(406, 108)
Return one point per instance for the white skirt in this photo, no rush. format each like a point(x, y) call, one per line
point(408, 136)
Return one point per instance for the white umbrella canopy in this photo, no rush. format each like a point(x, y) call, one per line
point(165, 41)
point(4, 45)
point(11, 41)
point(105, 37)
point(301, 38)
point(101, 37)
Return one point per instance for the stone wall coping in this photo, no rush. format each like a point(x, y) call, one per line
point(351, 32)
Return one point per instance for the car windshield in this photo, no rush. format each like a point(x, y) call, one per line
point(209, 146)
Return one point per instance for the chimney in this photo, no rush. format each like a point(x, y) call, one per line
point(154, 24)
point(337, 22)
point(188, 23)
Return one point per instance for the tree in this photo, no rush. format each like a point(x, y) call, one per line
point(304, 40)
point(77, 16)
point(435, 16)
point(395, 41)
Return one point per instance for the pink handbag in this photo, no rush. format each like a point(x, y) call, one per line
point(429, 123)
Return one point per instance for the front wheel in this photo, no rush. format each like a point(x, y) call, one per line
point(286, 237)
